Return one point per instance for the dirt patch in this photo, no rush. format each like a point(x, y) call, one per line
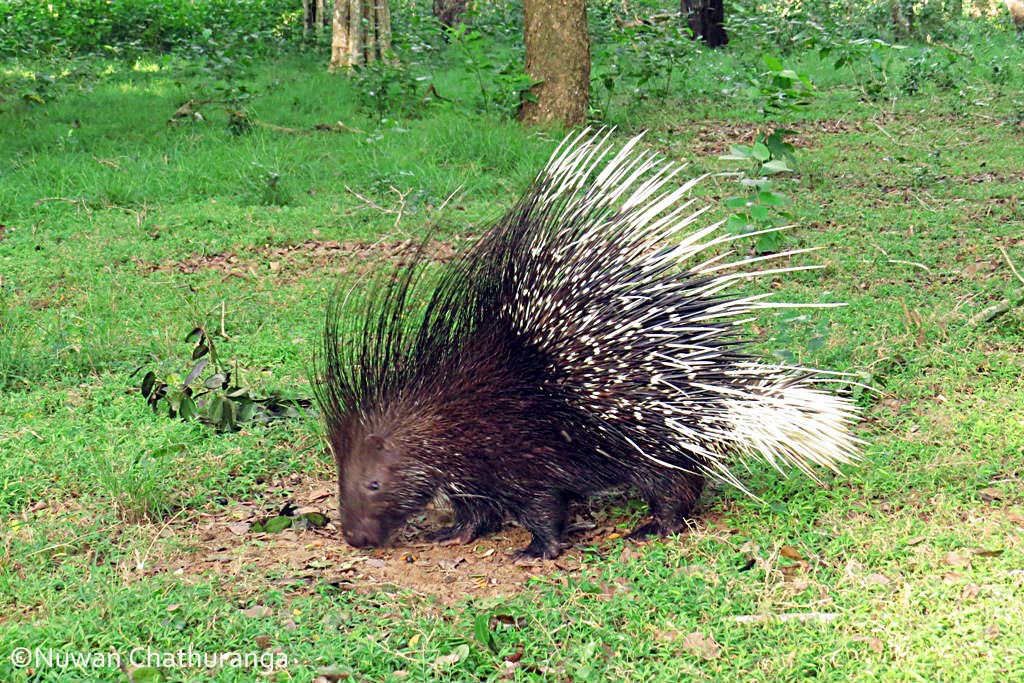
point(313, 559)
point(999, 177)
point(711, 138)
point(294, 261)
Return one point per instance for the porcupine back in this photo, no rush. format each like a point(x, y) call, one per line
point(583, 342)
point(598, 272)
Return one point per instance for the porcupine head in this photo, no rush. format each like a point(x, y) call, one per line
point(381, 480)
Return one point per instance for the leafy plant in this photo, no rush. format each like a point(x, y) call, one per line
point(290, 517)
point(761, 209)
point(503, 86)
point(387, 87)
point(875, 53)
point(268, 186)
point(781, 89)
point(207, 393)
point(659, 48)
point(127, 28)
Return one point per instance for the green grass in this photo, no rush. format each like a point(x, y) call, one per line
point(907, 569)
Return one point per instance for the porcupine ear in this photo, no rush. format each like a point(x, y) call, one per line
point(375, 442)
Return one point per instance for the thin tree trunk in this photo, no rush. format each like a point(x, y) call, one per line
point(341, 55)
point(706, 19)
point(321, 15)
point(361, 33)
point(448, 12)
point(558, 56)
point(355, 32)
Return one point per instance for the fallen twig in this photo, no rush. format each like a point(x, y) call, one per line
point(802, 617)
point(1013, 268)
point(1003, 305)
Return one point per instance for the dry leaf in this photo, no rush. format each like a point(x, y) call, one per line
point(450, 564)
point(257, 611)
point(874, 643)
point(791, 553)
point(991, 494)
point(239, 528)
point(957, 559)
point(317, 494)
point(878, 579)
point(701, 646)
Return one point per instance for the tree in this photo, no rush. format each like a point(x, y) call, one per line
point(314, 16)
point(448, 12)
point(361, 32)
point(706, 19)
point(558, 59)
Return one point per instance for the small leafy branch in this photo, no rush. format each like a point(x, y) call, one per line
point(208, 395)
point(761, 208)
point(781, 89)
point(503, 87)
point(877, 54)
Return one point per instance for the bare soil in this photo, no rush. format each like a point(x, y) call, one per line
point(312, 559)
point(296, 261)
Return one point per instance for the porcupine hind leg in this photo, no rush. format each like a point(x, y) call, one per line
point(671, 500)
point(474, 518)
point(544, 516)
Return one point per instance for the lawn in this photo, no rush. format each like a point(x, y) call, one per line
point(126, 534)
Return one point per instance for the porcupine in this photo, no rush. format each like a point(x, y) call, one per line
point(571, 350)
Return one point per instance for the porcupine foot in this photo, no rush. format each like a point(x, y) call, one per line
point(671, 503)
point(544, 517)
point(471, 522)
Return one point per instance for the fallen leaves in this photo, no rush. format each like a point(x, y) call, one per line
point(700, 645)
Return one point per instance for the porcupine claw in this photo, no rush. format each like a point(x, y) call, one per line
point(457, 534)
point(538, 551)
point(646, 531)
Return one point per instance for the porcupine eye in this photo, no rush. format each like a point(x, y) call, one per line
point(373, 486)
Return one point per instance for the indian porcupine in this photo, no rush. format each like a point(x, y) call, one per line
point(566, 353)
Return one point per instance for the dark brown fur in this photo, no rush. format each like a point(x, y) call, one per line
point(445, 399)
point(483, 433)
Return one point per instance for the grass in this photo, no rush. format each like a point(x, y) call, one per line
point(115, 521)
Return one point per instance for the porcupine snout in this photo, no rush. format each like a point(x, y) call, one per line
point(364, 535)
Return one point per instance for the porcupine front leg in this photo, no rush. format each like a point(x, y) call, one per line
point(544, 516)
point(671, 501)
point(474, 517)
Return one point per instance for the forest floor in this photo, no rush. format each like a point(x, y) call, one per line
point(122, 529)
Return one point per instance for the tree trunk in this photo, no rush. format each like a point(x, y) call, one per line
point(361, 33)
point(902, 17)
point(323, 19)
point(706, 19)
point(448, 12)
point(314, 16)
point(558, 56)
